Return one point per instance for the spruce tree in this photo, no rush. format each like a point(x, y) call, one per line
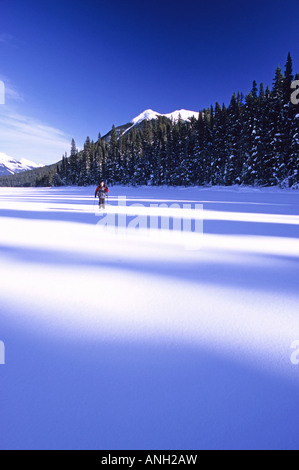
point(288, 79)
point(234, 155)
point(73, 163)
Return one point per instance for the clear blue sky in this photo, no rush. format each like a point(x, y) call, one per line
point(73, 68)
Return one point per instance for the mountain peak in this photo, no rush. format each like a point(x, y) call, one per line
point(11, 166)
point(149, 114)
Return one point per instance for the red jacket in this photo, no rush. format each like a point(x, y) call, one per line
point(104, 189)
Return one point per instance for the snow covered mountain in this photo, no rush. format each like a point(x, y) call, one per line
point(149, 115)
point(11, 166)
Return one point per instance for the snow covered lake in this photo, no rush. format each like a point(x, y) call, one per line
point(117, 341)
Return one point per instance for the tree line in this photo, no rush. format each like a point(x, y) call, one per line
point(252, 141)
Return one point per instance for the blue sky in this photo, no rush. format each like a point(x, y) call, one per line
point(74, 68)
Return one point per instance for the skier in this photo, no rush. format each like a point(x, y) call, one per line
point(101, 192)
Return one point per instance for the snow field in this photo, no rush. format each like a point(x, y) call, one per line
point(192, 347)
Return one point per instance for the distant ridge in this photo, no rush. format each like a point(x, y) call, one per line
point(149, 115)
point(11, 166)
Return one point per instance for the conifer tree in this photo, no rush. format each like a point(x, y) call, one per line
point(73, 163)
